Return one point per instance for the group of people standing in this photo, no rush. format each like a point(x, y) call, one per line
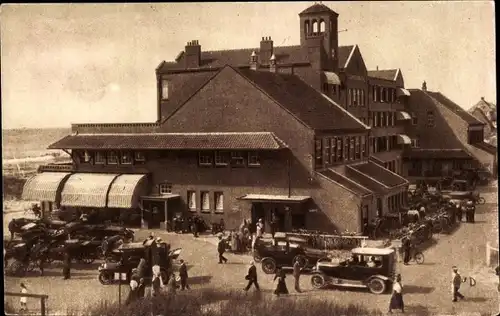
point(279, 278)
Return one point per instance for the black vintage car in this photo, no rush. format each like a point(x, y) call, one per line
point(284, 251)
point(371, 268)
point(153, 252)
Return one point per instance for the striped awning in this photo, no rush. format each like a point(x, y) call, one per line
point(126, 190)
point(87, 189)
point(402, 115)
point(403, 92)
point(404, 139)
point(44, 186)
point(331, 78)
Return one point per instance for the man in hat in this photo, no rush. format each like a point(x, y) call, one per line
point(251, 277)
point(183, 274)
point(221, 248)
point(456, 282)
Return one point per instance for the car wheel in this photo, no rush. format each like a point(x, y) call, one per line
point(376, 286)
point(105, 278)
point(268, 265)
point(419, 258)
point(301, 259)
point(318, 281)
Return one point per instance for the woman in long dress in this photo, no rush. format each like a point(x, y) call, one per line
point(397, 296)
point(281, 286)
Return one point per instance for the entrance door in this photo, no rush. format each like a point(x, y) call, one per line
point(257, 212)
point(154, 213)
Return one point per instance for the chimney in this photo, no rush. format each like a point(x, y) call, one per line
point(424, 86)
point(193, 54)
point(482, 98)
point(272, 64)
point(377, 68)
point(266, 49)
point(253, 61)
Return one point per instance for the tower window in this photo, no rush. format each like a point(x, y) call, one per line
point(164, 89)
point(307, 27)
point(315, 26)
point(322, 26)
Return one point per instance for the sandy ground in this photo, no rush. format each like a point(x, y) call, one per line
point(426, 287)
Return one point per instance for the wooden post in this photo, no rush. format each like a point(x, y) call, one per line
point(42, 306)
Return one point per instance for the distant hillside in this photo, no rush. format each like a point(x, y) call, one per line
point(30, 142)
point(486, 112)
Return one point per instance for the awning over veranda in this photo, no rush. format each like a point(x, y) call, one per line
point(275, 198)
point(44, 186)
point(126, 190)
point(87, 189)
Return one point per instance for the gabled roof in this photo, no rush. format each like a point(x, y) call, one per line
point(173, 141)
point(295, 54)
point(304, 102)
point(452, 106)
point(386, 74)
point(317, 8)
point(344, 53)
point(184, 91)
point(483, 105)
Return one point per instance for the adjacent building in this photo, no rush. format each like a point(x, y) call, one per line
point(304, 134)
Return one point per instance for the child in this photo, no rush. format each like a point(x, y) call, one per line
point(23, 299)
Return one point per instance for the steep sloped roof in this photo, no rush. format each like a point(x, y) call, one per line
point(346, 182)
point(379, 173)
point(303, 101)
point(241, 57)
point(317, 8)
point(387, 74)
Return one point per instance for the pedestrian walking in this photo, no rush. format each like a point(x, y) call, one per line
point(156, 282)
point(221, 248)
point(23, 299)
point(183, 274)
point(397, 296)
point(141, 289)
point(251, 277)
point(455, 283)
point(281, 285)
point(406, 250)
point(133, 294)
point(459, 212)
point(297, 269)
point(67, 265)
point(172, 284)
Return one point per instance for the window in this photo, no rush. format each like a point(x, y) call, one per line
point(355, 93)
point(221, 158)
point(339, 149)
point(315, 26)
point(382, 119)
point(253, 158)
point(362, 97)
point(351, 149)
point(375, 119)
point(219, 201)
point(165, 188)
point(363, 146)
point(346, 148)
point(388, 118)
point(334, 89)
point(326, 147)
point(357, 145)
point(86, 156)
point(333, 151)
point(430, 119)
point(382, 95)
point(126, 158)
point(237, 159)
point(112, 158)
point(319, 153)
point(306, 27)
point(191, 199)
point(139, 156)
point(415, 143)
point(322, 26)
point(205, 159)
point(376, 96)
point(164, 89)
point(414, 119)
point(349, 97)
point(100, 158)
point(205, 201)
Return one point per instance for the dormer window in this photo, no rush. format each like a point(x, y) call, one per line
point(164, 89)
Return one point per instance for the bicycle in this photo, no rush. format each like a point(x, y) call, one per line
point(416, 256)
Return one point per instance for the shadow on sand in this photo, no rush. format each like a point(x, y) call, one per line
point(414, 289)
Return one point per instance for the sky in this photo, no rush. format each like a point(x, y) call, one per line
point(94, 63)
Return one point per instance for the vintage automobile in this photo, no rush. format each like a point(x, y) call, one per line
point(359, 271)
point(284, 251)
point(465, 195)
point(159, 253)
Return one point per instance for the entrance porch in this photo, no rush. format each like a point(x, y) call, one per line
point(287, 212)
point(158, 211)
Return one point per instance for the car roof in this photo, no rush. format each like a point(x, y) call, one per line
point(372, 251)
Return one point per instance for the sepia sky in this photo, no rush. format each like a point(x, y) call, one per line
point(76, 63)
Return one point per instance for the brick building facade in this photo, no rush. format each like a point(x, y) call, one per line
point(303, 133)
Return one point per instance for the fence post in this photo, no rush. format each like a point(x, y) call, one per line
point(42, 306)
point(488, 254)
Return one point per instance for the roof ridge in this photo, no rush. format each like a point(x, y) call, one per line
point(460, 108)
point(174, 134)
